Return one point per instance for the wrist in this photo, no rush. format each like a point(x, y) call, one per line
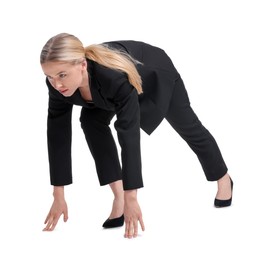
point(130, 194)
point(58, 192)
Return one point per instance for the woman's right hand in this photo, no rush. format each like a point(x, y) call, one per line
point(58, 208)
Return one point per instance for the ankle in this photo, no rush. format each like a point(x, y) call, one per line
point(224, 187)
point(224, 179)
point(117, 208)
point(119, 198)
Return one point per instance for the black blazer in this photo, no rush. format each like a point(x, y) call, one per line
point(112, 91)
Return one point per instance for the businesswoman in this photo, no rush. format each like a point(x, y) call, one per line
point(137, 83)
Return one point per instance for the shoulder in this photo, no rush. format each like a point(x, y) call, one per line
point(106, 79)
point(104, 74)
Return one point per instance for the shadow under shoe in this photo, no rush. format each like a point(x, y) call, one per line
point(224, 203)
point(114, 222)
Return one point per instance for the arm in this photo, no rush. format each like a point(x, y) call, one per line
point(59, 155)
point(128, 130)
point(59, 136)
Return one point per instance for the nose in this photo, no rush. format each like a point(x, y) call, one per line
point(57, 84)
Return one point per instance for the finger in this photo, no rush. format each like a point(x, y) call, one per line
point(135, 230)
point(126, 228)
point(52, 222)
point(55, 221)
point(52, 227)
point(130, 229)
point(65, 215)
point(142, 224)
point(47, 218)
point(49, 223)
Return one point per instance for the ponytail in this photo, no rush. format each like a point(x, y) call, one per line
point(117, 60)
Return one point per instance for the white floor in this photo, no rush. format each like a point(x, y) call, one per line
point(224, 54)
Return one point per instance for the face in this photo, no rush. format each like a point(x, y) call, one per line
point(65, 77)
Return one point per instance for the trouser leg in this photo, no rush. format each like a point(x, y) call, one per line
point(186, 123)
point(95, 124)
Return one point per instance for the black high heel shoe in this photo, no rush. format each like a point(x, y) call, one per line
point(224, 203)
point(114, 222)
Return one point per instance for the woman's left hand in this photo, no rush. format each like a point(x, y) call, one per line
point(132, 214)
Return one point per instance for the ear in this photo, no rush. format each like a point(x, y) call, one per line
point(84, 64)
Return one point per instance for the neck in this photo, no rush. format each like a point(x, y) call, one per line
point(85, 80)
point(85, 88)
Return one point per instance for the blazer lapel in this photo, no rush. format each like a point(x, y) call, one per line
point(97, 97)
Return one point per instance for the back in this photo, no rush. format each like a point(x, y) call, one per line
point(147, 54)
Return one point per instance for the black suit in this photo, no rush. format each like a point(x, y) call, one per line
point(164, 97)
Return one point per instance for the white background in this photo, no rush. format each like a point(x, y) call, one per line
point(223, 51)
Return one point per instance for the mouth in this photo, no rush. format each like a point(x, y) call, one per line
point(63, 91)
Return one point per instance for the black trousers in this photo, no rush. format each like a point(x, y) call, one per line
point(95, 124)
point(186, 123)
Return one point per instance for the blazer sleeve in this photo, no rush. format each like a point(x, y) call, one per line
point(127, 126)
point(59, 136)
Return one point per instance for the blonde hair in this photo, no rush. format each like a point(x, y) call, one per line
point(68, 48)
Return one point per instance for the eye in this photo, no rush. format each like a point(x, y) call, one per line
point(62, 75)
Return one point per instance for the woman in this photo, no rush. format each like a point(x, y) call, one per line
point(139, 84)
